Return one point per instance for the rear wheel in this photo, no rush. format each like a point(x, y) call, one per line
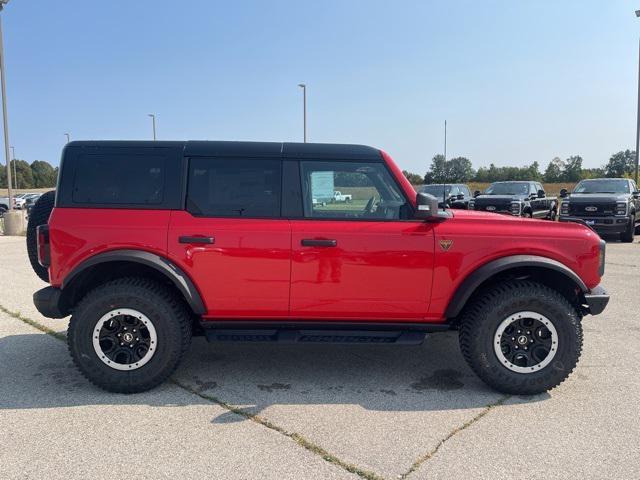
point(521, 337)
point(39, 215)
point(129, 334)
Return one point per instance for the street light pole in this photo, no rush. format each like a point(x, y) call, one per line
point(68, 137)
point(153, 123)
point(15, 170)
point(638, 117)
point(304, 109)
point(4, 108)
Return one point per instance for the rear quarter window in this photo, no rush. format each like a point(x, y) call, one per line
point(119, 180)
point(105, 176)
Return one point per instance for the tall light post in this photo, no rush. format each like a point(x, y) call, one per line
point(304, 109)
point(638, 118)
point(4, 108)
point(68, 137)
point(15, 170)
point(153, 123)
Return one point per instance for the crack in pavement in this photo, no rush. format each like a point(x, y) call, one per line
point(429, 455)
point(296, 437)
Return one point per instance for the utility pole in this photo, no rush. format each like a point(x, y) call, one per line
point(153, 123)
point(4, 108)
point(304, 109)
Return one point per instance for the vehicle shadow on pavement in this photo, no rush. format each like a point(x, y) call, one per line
point(37, 372)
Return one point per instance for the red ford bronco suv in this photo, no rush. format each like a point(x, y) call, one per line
point(147, 243)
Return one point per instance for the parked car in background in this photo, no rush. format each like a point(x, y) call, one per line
point(4, 205)
point(608, 205)
point(456, 195)
point(519, 198)
point(340, 197)
point(30, 202)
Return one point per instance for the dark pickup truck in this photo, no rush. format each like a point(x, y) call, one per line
point(457, 195)
point(521, 199)
point(610, 206)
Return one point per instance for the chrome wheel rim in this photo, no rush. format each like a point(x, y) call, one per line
point(525, 342)
point(125, 339)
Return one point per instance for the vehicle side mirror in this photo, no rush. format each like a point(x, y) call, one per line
point(636, 194)
point(533, 196)
point(460, 196)
point(564, 193)
point(476, 193)
point(541, 194)
point(426, 206)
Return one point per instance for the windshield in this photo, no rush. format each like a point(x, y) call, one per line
point(515, 188)
point(435, 190)
point(602, 186)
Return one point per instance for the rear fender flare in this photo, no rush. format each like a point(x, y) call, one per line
point(167, 268)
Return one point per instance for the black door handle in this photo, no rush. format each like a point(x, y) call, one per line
point(188, 239)
point(313, 242)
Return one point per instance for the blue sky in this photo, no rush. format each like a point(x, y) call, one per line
point(517, 81)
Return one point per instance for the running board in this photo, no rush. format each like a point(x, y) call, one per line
point(407, 337)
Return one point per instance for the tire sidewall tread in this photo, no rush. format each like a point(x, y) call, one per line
point(481, 319)
point(166, 311)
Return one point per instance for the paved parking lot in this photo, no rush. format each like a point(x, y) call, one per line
point(325, 411)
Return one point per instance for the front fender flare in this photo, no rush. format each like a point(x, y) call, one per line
point(174, 273)
point(475, 279)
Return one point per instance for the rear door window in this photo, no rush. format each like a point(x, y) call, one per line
point(234, 187)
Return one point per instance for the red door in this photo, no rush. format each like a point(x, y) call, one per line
point(361, 270)
point(244, 273)
point(231, 241)
point(358, 256)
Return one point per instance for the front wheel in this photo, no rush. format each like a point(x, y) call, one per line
point(129, 335)
point(629, 234)
point(521, 337)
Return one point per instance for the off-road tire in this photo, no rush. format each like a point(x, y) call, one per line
point(3, 210)
point(479, 323)
point(161, 305)
point(527, 214)
point(628, 236)
point(39, 216)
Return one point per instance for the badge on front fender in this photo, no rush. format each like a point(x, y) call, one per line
point(445, 245)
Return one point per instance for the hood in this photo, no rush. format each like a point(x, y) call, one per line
point(508, 225)
point(499, 198)
point(597, 197)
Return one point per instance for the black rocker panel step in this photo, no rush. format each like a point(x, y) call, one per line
point(399, 337)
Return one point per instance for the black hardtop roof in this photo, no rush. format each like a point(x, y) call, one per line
point(231, 148)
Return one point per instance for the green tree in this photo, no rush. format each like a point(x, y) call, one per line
point(23, 173)
point(554, 171)
point(573, 169)
point(413, 178)
point(3, 176)
point(438, 171)
point(621, 164)
point(44, 175)
point(460, 170)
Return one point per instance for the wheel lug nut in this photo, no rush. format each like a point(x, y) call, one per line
point(528, 332)
point(121, 343)
point(516, 347)
point(125, 329)
point(137, 339)
point(513, 339)
point(525, 348)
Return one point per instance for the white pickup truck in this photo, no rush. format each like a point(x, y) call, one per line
point(339, 197)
